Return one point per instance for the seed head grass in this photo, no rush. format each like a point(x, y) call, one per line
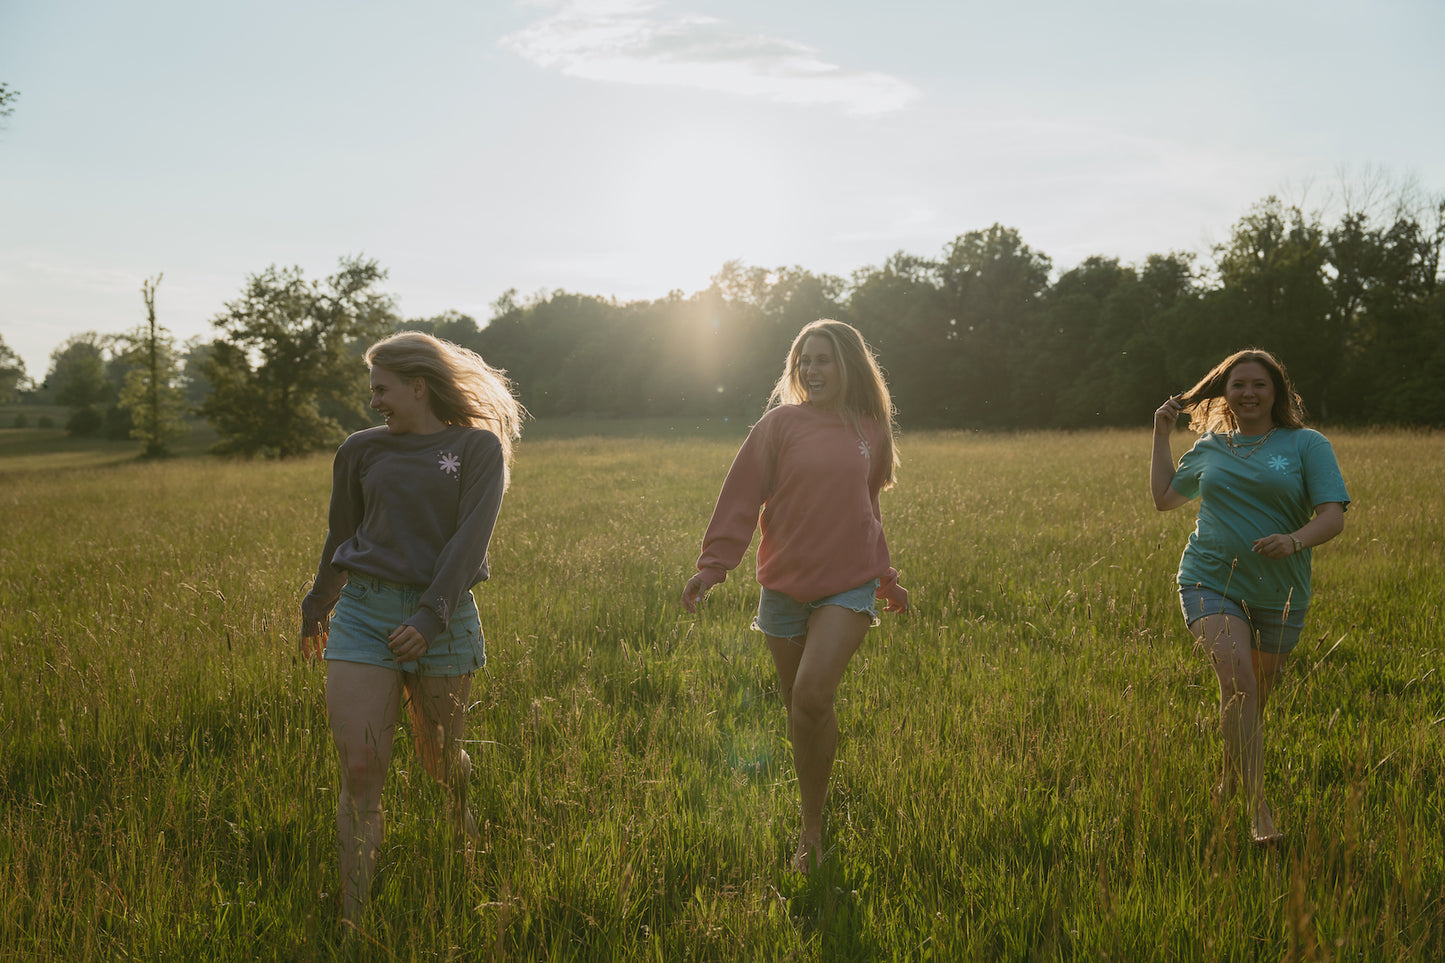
point(1024, 771)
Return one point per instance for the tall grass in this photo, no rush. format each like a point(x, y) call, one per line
point(1024, 769)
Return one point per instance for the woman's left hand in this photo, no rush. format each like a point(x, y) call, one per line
point(1275, 546)
point(407, 644)
point(896, 597)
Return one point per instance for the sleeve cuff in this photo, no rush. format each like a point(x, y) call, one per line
point(426, 622)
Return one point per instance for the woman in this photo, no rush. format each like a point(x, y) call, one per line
point(815, 462)
point(1270, 490)
point(413, 505)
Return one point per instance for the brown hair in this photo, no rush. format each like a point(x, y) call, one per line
point(864, 390)
point(1208, 411)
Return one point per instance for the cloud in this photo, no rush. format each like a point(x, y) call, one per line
point(630, 42)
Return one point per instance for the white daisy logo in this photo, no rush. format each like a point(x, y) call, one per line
point(450, 463)
point(1278, 463)
point(863, 448)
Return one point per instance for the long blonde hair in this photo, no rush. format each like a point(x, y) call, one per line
point(864, 390)
point(1208, 410)
point(462, 389)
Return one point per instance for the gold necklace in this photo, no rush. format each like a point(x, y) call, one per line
point(1244, 451)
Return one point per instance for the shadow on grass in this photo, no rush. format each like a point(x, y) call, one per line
point(830, 905)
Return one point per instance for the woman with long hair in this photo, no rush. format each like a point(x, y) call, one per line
point(1269, 491)
point(815, 463)
point(413, 506)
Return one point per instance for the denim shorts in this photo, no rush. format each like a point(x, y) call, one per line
point(784, 617)
point(1271, 630)
point(369, 609)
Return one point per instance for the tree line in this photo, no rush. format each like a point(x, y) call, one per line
point(981, 336)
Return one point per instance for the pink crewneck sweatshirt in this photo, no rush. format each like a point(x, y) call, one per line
point(817, 480)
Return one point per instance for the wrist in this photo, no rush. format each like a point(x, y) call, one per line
point(1298, 545)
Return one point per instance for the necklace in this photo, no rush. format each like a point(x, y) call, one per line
point(1244, 451)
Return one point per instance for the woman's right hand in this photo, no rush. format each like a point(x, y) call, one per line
point(697, 587)
point(1166, 415)
point(313, 636)
point(314, 630)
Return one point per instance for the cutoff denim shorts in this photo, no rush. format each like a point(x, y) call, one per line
point(369, 609)
point(784, 617)
point(1271, 630)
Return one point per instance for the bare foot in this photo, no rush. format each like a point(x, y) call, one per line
point(1263, 831)
point(808, 857)
point(464, 825)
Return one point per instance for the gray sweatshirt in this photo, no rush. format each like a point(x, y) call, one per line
point(414, 510)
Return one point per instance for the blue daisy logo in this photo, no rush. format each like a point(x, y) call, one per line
point(1278, 463)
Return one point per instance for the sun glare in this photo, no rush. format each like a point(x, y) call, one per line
point(706, 192)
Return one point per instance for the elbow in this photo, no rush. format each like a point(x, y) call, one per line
point(1167, 500)
point(1333, 517)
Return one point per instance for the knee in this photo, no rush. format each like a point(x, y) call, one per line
point(362, 775)
point(810, 705)
point(445, 761)
point(1235, 674)
point(464, 765)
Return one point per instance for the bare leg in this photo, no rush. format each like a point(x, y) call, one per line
point(1226, 640)
point(363, 702)
point(438, 707)
point(810, 683)
point(1268, 666)
point(787, 653)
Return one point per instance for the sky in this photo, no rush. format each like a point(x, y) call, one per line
point(630, 148)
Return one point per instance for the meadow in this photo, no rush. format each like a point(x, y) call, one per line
point(1024, 770)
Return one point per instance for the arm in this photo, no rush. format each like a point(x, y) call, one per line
point(1161, 462)
point(891, 592)
point(343, 516)
point(479, 503)
point(734, 519)
point(1328, 522)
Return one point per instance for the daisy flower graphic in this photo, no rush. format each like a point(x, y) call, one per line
point(450, 463)
point(1278, 463)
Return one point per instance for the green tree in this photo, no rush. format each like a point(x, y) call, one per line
point(453, 326)
point(738, 332)
point(1272, 271)
point(1082, 325)
point(194, 355)
point(1385, 283)
point(287, 349)
point(78, 380)
point(900, 309)
point(12, 374)
point(156, 404)
point(992, 283)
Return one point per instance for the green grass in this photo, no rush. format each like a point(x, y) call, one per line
point(1024, 769)
point(52, 449)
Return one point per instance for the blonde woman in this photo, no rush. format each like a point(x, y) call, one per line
point(413, 505)
point(815, 463)
point(1270, 490)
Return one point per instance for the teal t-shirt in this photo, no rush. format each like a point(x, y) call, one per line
point(1274, 490)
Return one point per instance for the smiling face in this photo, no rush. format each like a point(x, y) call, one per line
point(820, 373)
point(404, 404)
point(1249, 392)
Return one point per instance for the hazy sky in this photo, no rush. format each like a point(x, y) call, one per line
point(630, 147)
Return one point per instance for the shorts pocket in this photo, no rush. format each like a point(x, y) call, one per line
point(356, 590)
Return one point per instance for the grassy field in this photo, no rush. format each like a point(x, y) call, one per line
point(1024, 769)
